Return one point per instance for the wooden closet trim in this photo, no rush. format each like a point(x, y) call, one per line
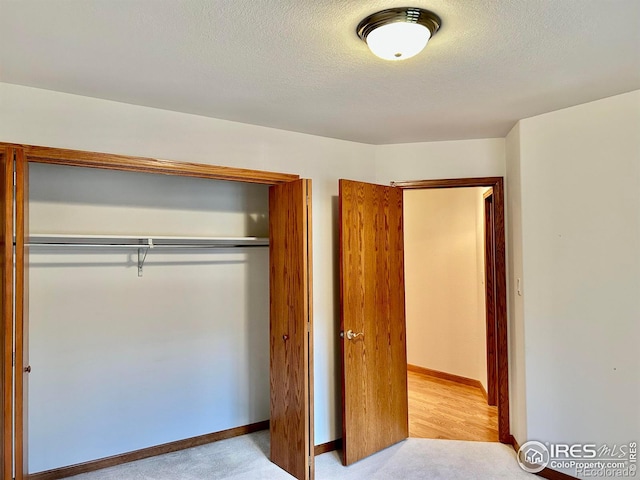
point(26, 154)
point(107, 161)
point(21, 346)
point(7, 154)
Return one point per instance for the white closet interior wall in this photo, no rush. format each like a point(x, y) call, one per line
point(119, 362)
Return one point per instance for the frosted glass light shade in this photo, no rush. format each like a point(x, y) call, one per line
point(398, 40)
point(398, 33)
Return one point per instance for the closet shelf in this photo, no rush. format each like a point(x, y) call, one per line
point(142, 243)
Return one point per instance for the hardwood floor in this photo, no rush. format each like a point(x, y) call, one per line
point(449, 410)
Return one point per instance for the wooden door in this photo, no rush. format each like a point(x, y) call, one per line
point(374, 358)
point(291, 328)
point(6, 305)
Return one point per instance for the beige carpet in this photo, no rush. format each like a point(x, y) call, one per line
point(245, 458)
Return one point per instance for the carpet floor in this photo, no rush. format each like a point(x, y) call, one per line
point(246, 458)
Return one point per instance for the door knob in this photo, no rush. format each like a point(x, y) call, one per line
point(351, 335)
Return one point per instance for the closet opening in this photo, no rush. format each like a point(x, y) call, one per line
point(151, 314)
point(126, 355)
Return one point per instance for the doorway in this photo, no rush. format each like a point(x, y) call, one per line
point(449, 350)
point(373, 327)
point(496, 288)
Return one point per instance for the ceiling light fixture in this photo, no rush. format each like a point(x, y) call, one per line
point(398, 33)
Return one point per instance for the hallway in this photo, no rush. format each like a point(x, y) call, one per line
point(443, 409)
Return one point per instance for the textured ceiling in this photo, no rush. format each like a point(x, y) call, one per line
point(298, 64)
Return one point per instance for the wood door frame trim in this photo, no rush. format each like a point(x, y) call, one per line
point(502, 338)
point(77, 158)
point(6, 302)
point(310, 377)
point(21, 332)
point(490, 297)
point(108, 161)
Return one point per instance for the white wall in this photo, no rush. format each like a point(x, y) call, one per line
point(513, 221)
point(573, 189)
point(446, 325)
point(434, 160)
point(121, 362)
point(41, 117)
point(580, 213)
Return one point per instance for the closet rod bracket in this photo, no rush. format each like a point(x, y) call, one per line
point(142, 255)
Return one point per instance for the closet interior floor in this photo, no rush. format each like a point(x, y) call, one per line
point(443, 409)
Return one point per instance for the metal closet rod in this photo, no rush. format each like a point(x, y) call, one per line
point(149, 244)
point(146, 245)
point(142, 241)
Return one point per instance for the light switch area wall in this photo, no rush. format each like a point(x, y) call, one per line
point(580, 260)
point(444, 269)
point(120, 362)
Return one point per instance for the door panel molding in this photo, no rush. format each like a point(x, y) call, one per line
point(502, 339)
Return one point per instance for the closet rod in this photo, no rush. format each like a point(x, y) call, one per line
point(143, 245)
point(143, 249)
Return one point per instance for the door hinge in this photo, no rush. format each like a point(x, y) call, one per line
point(15, 178)
point(13, 359)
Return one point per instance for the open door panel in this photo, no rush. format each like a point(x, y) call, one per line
point(6, 299)
point(291, 329)
point(374, 359)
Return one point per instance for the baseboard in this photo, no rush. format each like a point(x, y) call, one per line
point(551, 474)
point(514, 443)
point(547, 473)
point(328, 447)
point(447, 376)
point(93, 465)
point(484, 392)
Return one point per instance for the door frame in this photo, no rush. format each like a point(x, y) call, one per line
point(7, 158)
point(490, 298)
point(499, 264)
point(25, 154)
